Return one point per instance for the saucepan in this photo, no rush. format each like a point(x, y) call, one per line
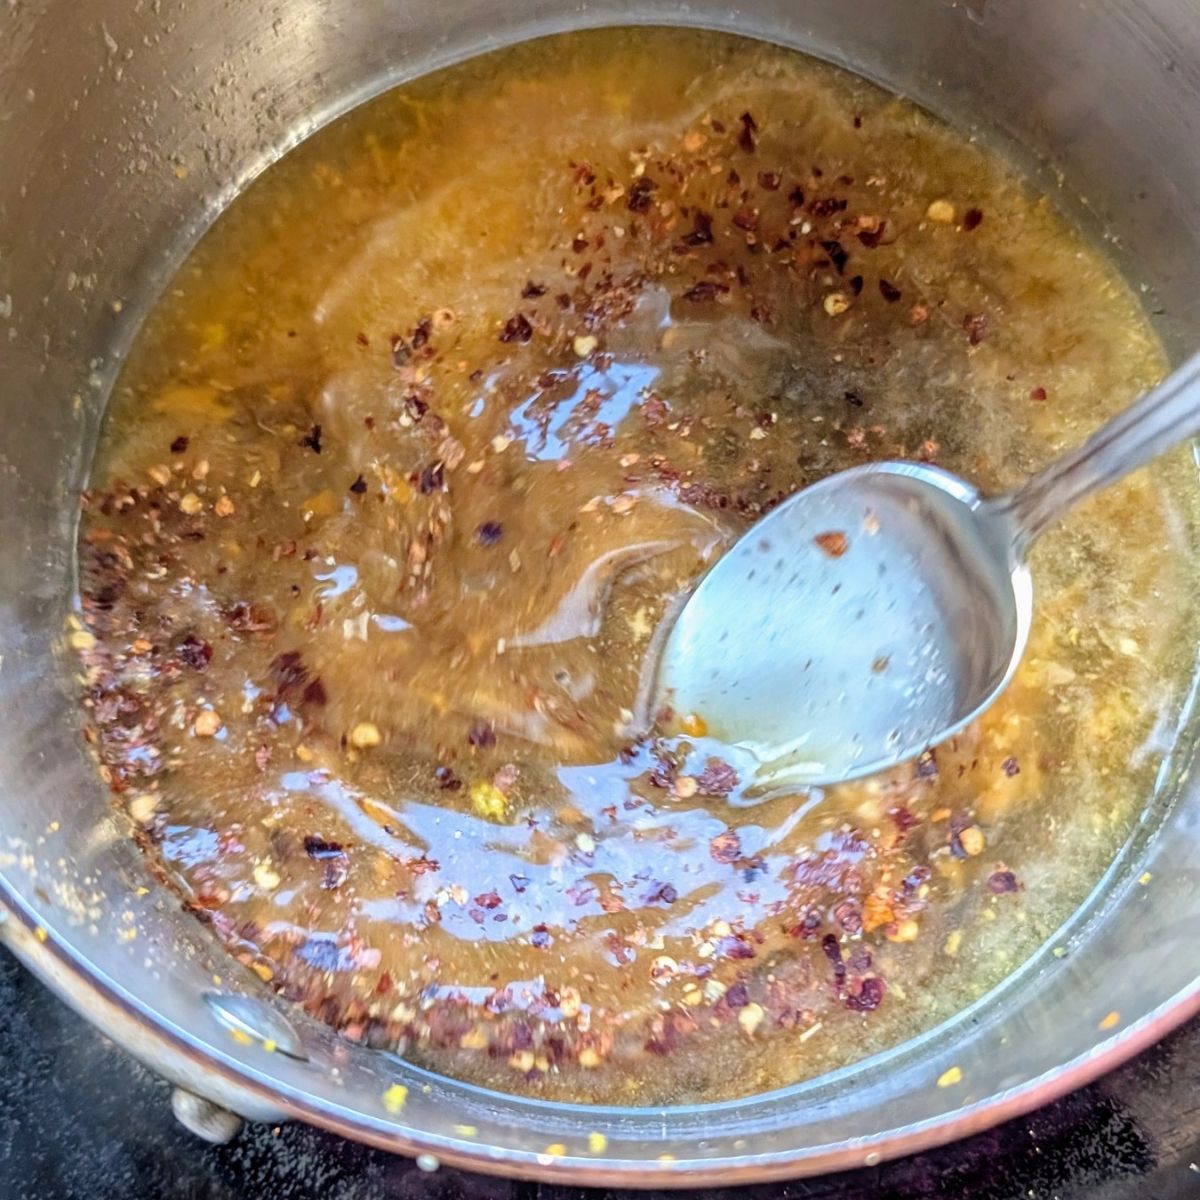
point(124, 128)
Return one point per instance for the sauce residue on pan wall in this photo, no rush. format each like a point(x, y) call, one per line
point(422, 442)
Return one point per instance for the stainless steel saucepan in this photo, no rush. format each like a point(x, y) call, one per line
point(123, 129)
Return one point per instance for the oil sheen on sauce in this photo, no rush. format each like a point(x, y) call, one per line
point(427, 434)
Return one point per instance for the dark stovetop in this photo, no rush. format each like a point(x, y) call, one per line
point(79, 1120)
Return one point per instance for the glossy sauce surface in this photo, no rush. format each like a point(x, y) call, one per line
point(423, 443)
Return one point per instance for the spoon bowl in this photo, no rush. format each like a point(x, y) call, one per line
point(878, 611)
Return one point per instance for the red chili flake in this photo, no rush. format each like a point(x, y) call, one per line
point(638, 200)
point(315, 694)
point(889, 291)
point(852, 397)
point(848, 915)
point(807, 927)
point(519, 883)
point(312, 439)
point(726, 847)
point(834, 544)
point(701, 493)
point(769, 181)
point(359, 486)
point(521, 1034)
point(827, 206)
point(746, 218)
point(869, 997)
point(717, 779)
point(194, 652)
point(665, 770)
point(422, 865)
point(489, 533)
point(972, 219)
point(180, 444)
point(738, 995)
point(747, 132)
point(663, 893)
point(251, 618)
point(701, 234)
point(654, 409)
point(904, 818)
point(317, 847)
point(447, 780)
point(872, 237)
point(1037, 393)
point(517, 329)
point(706, 289)
point(579, 244)
point(1000, 882)
point(481, 734)
point(796, 196)
point(415, 407)
point(290, 671)
point(488, 900)
point(717, 126)
point(531, 290)
point(856, 284)
point(837, 255)
point(857, 121)
point(735, 947)
point(833, 952)
point(976, 326)
point(432, 478)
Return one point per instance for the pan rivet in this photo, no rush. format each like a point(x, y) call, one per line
point(204, 1118)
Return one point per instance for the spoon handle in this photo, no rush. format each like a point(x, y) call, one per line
point(1163, 417)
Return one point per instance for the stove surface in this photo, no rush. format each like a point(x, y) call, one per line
point(80, 1120)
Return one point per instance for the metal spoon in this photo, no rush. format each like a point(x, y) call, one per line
point(874, 614)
